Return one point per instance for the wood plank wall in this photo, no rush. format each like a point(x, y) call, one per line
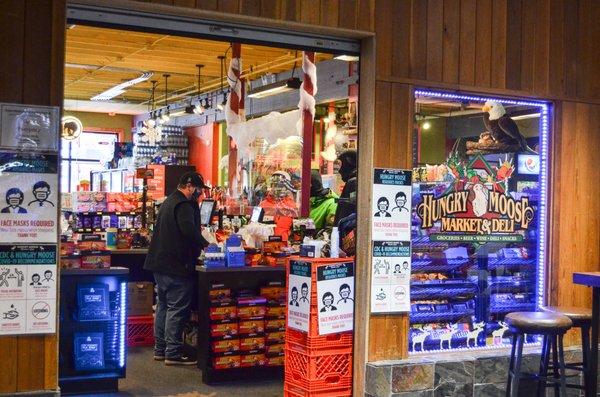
point(544, 48)
point(31, 71)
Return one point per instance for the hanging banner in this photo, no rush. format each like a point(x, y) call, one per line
point(391, 255)
point(28, 198)
point(28, 127)
point(335, 298)
point(299, 293)
point(27, 289)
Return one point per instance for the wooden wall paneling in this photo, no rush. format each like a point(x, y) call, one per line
point(588, 56)
point(30, 363)
point(527, 46)
point(229, 6)
point(330, 12)
point(400, 130)
point(185, 3)
point(578, 198)
point(498, 60)
point(468, 38)
point(556, 48)
point(570, 43)
point(418, 40)
point(362, 296)
point(513, 44)
point(366, 15)
point(167, 2)
point(435, 32)
point(250, 7)
point(383, 111)
point(8, 367)
point(12, 25)
point(310, 11)
point(541, 48)
point(554, 206)
point(451, 41)
point(483, 45)
point(270, 8)
point(401, 27)
point(388, 337)
point(209, 5)
point(384, 32)
point(348, 14)
point(290, 10)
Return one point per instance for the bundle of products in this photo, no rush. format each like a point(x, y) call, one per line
point(247, 330)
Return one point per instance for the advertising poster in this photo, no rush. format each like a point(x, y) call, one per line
point(27, 289)
point(299, 292)
point(29, 128)
point(390, 276)
point(391, 231)
point(335, 298)
point(28, 198)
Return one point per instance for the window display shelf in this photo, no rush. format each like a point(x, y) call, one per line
point(443, 266)
point(510, 263)
point(507, 308)
point(424, 318)
point(519, 285)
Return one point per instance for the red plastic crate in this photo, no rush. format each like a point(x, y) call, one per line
point(290, 390)
point(328, 344)
point(140, 331)
point(318, 372)
point(339, 340)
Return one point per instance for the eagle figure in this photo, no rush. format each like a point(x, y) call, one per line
point(502, 128)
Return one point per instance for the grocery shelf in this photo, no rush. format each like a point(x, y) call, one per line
point(423, 318)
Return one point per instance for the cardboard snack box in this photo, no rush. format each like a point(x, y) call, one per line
point(252, 343)
point(275, 361)
point(251, 312)
point(275, 312)
point(252, 327)
point(275, 349)
point(219, 291)
point(253, 360)
point(140, 298)
point(224, 330)
point(274, 291)
point(227, 362)
point(276, 337)
point(95, 259)
point(220, 313)
point(225, 345)
point(275, 325)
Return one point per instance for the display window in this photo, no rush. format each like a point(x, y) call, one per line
point(478, 218)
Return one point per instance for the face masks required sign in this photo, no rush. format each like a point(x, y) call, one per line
point(299, 292)
point(391, 256)
point(27, 289)
point(335, 293)
point(28, 198)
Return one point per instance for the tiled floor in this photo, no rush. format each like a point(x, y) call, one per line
point(146, 377)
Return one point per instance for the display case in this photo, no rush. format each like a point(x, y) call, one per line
point(478, 222)
point(92, 345)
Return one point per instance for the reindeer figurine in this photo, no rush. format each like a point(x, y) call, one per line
point(477, 329)
point(447, 336)
point(420, 338)
point(499, 333)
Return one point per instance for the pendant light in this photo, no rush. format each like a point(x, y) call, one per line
point(198, 108)
point(166, 115)
point(222, 104)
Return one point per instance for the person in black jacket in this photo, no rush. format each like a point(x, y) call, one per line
point(348, 172)
point(172, 256)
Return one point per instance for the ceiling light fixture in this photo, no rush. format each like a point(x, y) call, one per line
point(120, 89)
point(275, 88)
point(347, 58)
point(426, 125)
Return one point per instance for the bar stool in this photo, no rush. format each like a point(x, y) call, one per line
point(552, 327)
point(581, 318)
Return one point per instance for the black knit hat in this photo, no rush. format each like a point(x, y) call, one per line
point(193, 178)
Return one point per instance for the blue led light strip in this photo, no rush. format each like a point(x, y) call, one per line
point(122, 325)
point(544, 139)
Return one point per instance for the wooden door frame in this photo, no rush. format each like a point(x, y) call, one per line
point(366, 117)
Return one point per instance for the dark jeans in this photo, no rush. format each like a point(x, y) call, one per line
point(172, 312)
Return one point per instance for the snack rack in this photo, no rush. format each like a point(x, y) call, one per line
point(236, 278)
